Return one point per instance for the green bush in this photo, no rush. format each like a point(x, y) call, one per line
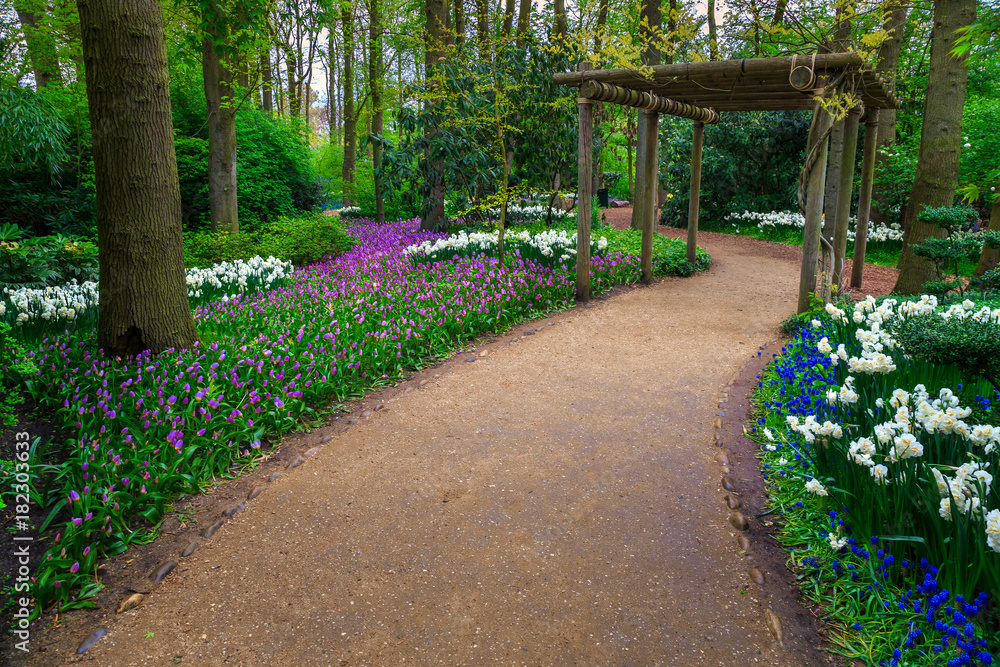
point(15, 364)
point(300, 240)
point(971, 345)
point(45, 260)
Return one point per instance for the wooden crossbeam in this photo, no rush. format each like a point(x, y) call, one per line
point(608, 92)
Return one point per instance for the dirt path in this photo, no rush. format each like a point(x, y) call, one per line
point(554, 502)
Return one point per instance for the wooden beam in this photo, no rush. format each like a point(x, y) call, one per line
point(845, 194)
point(693, 202)
point(607, 92)
point(814, 212)
point(648, 194)
point(584, 196)
point(865, 198)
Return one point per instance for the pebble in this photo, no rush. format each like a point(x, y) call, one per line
point(344, 430)
point(161, 571)
point(274, 476)
point(91, 640)
point(718, 440)
point(733, 501)
point(419, 384)
point(743, 541)
point(296, 463)
point(774, 625)
point(312, 452)
point(728, 483)
point(255, 492)
point(189, 549)
point(235, 509)
point(739, 521)
point(211, 530)
point(723, 458)
point(718, 423)
point(757, 576)
point(483, 353)
point(529, 332)
point(471, 359)
point(326, 439)
point(366, 414)
point(725, 470)
point(131, 602)
point(721, 413)
point(352, 421)
point(409, 389)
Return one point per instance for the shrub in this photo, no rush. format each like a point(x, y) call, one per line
point(15, 364)
point(973, 345)
point(44, 261)
point(302, 240)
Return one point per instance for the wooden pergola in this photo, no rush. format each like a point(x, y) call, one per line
point(700, 91)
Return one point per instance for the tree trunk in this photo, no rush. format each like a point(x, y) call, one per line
point(483, 29)
point(218, 75)
point(436, 12)
point(888, 64)
point(990, 257)
point(375, 86)
point(651, 15)
point(349, 171)
point(143, 292)
point(508, 18)
point(40, 42)
point(523, 21)
point(779, 12)
point(559, 23)
point(713, 34)
point(266, 77)
point(460, 22)
point(936, 176)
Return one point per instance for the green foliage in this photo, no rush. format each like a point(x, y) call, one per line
point(300, 240)
point(970, 344)
point(669, 255)
point(750, 162)
point(47, 260)
point(951, 218)
point(31, 129)
point(988, 282)
point(15, 365)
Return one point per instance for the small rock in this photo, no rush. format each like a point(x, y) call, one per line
point(273, 477)
point(419, 384)
point(131, 602)
point(733, 501)
point(483, 353)
point(756, 576)
point(91, 640)
point(529, 332)
point(470, 359)
point(326, 439)
point(312, 452)
point(296, 463)
point(344, 430)
point(718, 440)
point(235, 509)
point(723, 400)
point(728, 483)
point(366, 414)
point(189, 549)
point(255, 492)
point(161, 571)
point(723, 458)
point(725, 470)
point(743, 541)
point(352, 422)
point(213, 529)
point(739, 521)
point(718, 424)
point(409, 389)
point(721, 413)
point(774, 625)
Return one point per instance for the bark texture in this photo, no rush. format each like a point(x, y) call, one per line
point(349, 171)
point(40, 42)
point(436, 14)
point(217, 70)
point(266, 93)
point(143, 293)
point(651, 16)
point(375, 86)
point(483, 28)
point(888, 64)
point(990, 257)
point(936, 177)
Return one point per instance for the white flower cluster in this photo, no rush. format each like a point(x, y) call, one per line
point(549, 243)
point(349, 211)
point(238, 276)
point(66, 302)
point(964, 491)
point(776, 219)
point(529, 211)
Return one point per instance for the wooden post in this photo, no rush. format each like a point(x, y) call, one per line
point(651, 169)
point(865, 198)
point(696, 144)
point(845, 193)
point(584, 196)
point(814, 214)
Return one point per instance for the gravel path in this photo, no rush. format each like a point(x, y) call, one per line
point(550, 498)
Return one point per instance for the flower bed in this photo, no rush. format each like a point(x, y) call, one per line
point(144, 430)
point(794, 220)
point(882, 465)
point(549, 247)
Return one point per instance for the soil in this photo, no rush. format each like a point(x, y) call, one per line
point(553, 495)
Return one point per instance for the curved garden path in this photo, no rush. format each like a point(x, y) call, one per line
point(554, 502)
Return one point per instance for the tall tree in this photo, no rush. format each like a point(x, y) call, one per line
point(143, 292)
point(508, 18)
point(40, 41)
point(523, 21)
point(375, 88)
point(218, 70)
point(460, 22)
point(349, 170)
point(649, 31)
point(266, 79)
point(483, 29)
point(887, 66)
point(436, 38)
point(713, 33)
point(559, 22)
point(936, 177)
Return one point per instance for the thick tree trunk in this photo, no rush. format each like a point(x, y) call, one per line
point(779, 12)
point(218, 75)
point(436, 12)
point(143, 293)
point(266, 77)
point(523, 21)
point(294, 100)
point(483, 29)
point(888, 64)
point(559, 22)
point(713, 33)
point(349, 171)
point(40, 42)
point(936, 177)
point(375, 86)
point(460, 22)
point(990, 257)
point(508, 19)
